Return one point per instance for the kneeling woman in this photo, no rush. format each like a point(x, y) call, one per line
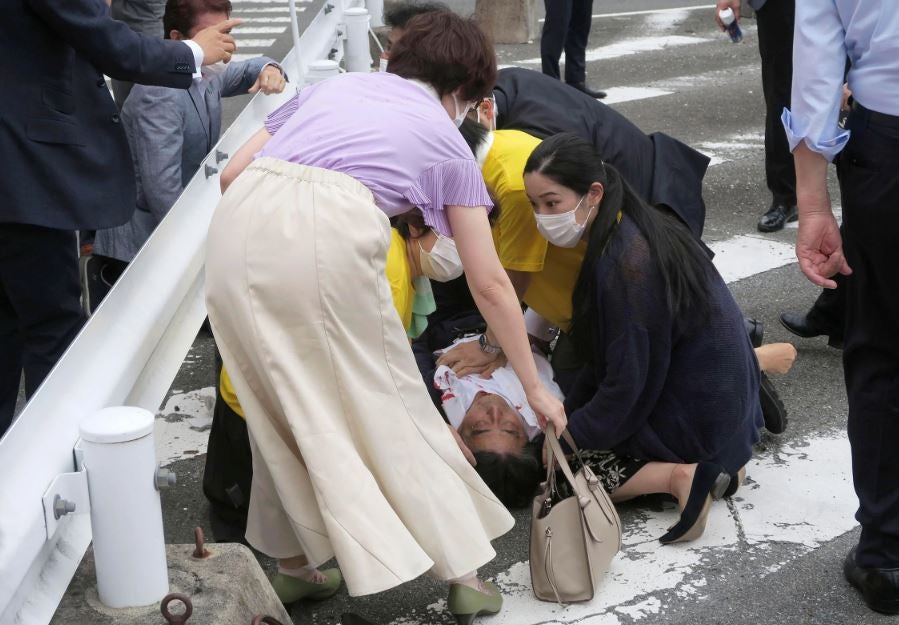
point(670, 392)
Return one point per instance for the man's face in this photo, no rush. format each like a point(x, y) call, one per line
point(393, 36)
point(204, 20)
point(492, 425)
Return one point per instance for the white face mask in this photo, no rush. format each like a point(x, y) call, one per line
point(442, 263)
point(382, 65)
point(214, 69)
point(460, 115)
point(562, 229)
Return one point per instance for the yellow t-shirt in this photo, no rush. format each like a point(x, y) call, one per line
point(519, 244)
point(399, 276)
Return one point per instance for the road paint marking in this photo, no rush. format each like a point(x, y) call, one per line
point(182, 425)
point(617, 95)
point(734, 148)
point(253, 43)
point(746, 255)
point(650, 11)
point(258, 30)
point(628, 47)
point(244, 57)
point(666, 20)
point(267, 20)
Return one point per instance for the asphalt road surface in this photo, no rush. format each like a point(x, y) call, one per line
point(773, 553)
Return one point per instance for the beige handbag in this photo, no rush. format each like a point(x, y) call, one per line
point(573, 539)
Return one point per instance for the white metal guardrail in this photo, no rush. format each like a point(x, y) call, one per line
point(127, 355)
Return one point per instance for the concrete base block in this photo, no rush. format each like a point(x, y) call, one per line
point(227, 588)
point(508, 21)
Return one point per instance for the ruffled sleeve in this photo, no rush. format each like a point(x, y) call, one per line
point(454, 182)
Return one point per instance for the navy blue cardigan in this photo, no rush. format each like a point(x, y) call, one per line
point(656, 390)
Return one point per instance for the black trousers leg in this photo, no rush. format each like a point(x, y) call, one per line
point(555, 30)
point(576, 41)
point(775, 22)
point(829, 310)
point(39, 279)
point(870, 194)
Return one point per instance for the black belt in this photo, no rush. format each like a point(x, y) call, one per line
point(873, 116)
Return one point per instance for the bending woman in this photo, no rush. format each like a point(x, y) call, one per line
point(303, 316)
point(670, 392)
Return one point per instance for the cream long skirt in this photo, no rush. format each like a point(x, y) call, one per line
point(350, 457)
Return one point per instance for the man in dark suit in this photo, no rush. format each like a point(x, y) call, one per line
point(662, 170)
point(567, 27)
point(64, 162)
point(775, 27)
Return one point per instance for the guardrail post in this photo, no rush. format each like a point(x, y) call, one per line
point(358, 57)
point(320, 70)
point(126, 513)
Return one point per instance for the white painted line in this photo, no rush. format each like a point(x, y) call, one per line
point(267, 20)
point(244, 57)
point(650, 11)
point(182, 426)
point(747, 255)
point(258, 30)
point(629, 47)
point(253, 43)
point(734, 148)
point(617, 95)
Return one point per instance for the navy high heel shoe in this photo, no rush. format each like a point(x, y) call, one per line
point(709, 482)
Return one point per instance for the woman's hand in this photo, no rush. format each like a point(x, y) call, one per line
point(468, 357)
point(462, 446)
point(548, 409)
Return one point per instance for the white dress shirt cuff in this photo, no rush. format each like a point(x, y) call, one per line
point(198, 58)
point(827, 146)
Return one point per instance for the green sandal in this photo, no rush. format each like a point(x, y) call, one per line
point(291, 589)
point(466, 603)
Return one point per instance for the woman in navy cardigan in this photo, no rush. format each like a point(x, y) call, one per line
point(668, 401)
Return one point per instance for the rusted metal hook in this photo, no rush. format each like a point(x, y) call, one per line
point(200, 541)
point(176, 619)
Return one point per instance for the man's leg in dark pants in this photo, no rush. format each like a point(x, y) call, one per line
point(870, 196)
point(10, 359)
point(555, 31)
point(39, 277)
point(829, 310)
point(775, 28)
point(576, 41)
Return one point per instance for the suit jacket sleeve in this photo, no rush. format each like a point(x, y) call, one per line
point(239, 76)
point(112, 47)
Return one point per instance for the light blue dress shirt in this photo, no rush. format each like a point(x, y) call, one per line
point(827, 31)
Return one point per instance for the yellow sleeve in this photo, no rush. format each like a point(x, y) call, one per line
point(400, 278)
point(226, 390)
point(519, 244)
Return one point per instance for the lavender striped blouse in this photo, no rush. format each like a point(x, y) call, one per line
point(389, 134)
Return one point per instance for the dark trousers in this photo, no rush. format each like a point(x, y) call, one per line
point(829, 310)
point(870, 193)
point(775, 23)
point(40, 308)
point(567, 27)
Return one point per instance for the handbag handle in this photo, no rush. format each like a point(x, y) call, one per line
point(557, 456)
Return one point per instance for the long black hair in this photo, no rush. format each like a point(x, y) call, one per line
point(572, 162)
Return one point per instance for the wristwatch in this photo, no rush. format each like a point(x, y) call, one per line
point(486, 347)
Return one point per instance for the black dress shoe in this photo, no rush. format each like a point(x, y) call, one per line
point(593, 93)
point(756, 331)
point(879, 587)
point(710, 482)
point(801, 326)
point(773, 409)
point(777, 216)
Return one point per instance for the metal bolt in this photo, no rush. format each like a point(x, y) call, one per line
point(209, 170)
point(328, 8)
point(268, 620)
point(165, 478)
point(176, 619)
point(200, 543)
point(220, 156)
point(62, 507)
